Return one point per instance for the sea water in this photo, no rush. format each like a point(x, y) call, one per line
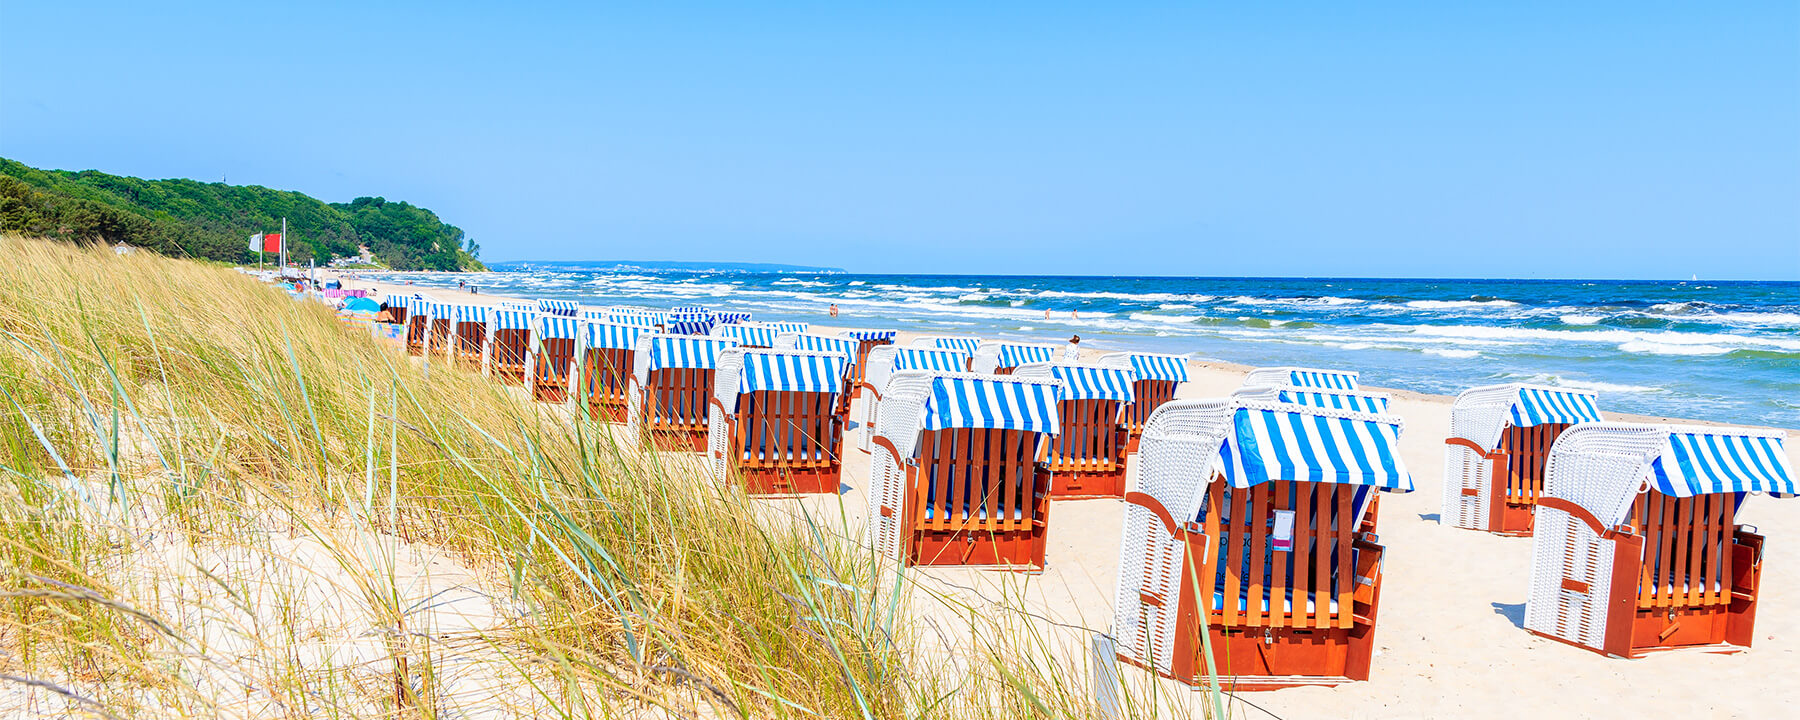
point(1718, 351)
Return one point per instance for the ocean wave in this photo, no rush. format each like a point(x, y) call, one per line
point(1650, 348)
point(1582, 319)
point(1457, 304)
point(1609, 336)
point(1589, 385)
point(1453, 353)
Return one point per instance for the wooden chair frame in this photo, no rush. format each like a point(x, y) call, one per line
point(785, 442)
point(675, 406)
point(416, 326)
point(603, 375)
point(856, 375)
point(469, 344)
point(551, 363)
point(507, 350)
point(1515, 473)
point(1087, 459)
point(992, 474)
point(1149, 395)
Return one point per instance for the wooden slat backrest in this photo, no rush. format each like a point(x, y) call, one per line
point(678, 398)
point(1281, 588)
point(415, 332)
point(509, 348)
point(862, 360)
point(1089, 438)
point(604, 374)
point(555, 355)
point(776, 428)
point(440, 336)
point(1149, 395)
point(1527, 451)
point(469, 338)
point(1687, 549)
point(990, 475)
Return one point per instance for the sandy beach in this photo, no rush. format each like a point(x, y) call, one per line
point(1450, 639)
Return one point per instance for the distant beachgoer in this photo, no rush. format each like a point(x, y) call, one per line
point(461, 284)
point(834, 310)
point(1046, 313)
point(1075, 314)
point(1072, 353)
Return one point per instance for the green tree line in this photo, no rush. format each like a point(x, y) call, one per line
point(187, 218)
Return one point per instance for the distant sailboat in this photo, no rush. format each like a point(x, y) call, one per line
point(1693, 278)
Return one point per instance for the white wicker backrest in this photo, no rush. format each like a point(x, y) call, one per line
point(786, 341)
point(1284, 375)
point(725, 380)
point(1480, 413)
point(902, 414)
point(1116, 360)
point(1263, 393)
point(1179, 450)
point(1603, 466)
point(640, 359)
point(1040, 371)
point(881, 365)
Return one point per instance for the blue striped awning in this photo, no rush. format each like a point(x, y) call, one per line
point(727, 318)
point(758, 335)
point(513, 319)
point(686, 352)
point(1329, 379)
point(612, 336)
point(1012, 355)
point(564, 308)
point(519, 307)
point(1338, 400)
point(422, 309)
point(1160, 367)
point(965, 344)
point(887, 335)
point(792, 372)
point(396, 301)
point(702, 326)
point(471, 313)
point(691, 310)
point(826, 343)
point(1702, 463)
point(643, 321)
point(1300, 445)
point(558, 326)
point(789, 327)
point(971, 402)
point(930, 359)
point(1092, 382)
point(1545, 406)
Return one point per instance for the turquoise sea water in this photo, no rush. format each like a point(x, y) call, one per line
point(1720, 351)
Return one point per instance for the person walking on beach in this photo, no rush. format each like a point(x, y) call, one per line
point(1072, 353)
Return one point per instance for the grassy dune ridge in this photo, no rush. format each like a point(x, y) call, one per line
point(217, 501)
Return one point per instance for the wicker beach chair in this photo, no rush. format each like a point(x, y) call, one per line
point(955, 478)
point(1499, 446)
point(1000, 358)
point(552, 357)
point(440, 329)
point(1243, 526)
point(788, 327)
point(886, 360)
point(1158, 377)
point(1302, 377)
point(1087, 457)
point(690, 323)
point(560, 308)
point(605, 362)
point(949, 342)
point(729, 318)
point(418, 325)
point(866, 340)
point(509, 342)
point(397, 306)
point(827, 343)
point(774, 420)
point(1636, 546)
point(469, 348)
point(670, 389)
point(750, 336)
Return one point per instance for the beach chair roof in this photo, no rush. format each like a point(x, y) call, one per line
point(513, 319)
point(519, 306)
point(613, 336)
point(1482, 414)
point(1279, 441)
point(472, 313)
point(820, 343)
point(640, 320)
point(695, 325)
point(1016, 354)
point(993, 402)
point(1314, 397)
point(948, 342)
point(788, 327)
point(887, 335)
point(747, 334)
point(558, 326)
point(557, 307)
point(392, 300)
point(1303, 377)
point(1151, 366)
point(1086, 382)
point(690, 309)
point(727, 318)
point(683, 351)
point(793, 370)
point(1701, 461)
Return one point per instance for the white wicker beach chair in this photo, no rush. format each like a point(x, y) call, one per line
point(605, 363)
point(886, 360)
point(669, 392)
point(774, 420)
point(1303, 377)
point(1499, 445)
point(1001, 357)
point(1086, 459)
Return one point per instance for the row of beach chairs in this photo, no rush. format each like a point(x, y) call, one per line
point(1252, 527)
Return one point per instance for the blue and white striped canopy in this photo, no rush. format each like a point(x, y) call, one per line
point(558, 326)
point(643, 321)
point(758, 335)
point(727, 318)
point(1160, 367)
point(887, 335)
point(691, 310)
point(1012, 355)
point(1544, 406)
point(1338, 400)
point(396, 301)
point(1298, 445)
point(565, 308)
point(965, 344)
point(791, 372)
point(686, 352)
point(826, 343)
point(1092, 382)
point(788, 327)
point(930, 359)
point(471, 313)
point(1328, 379)
point(513, 319)
point(701, 326)
point(422, 309)
point(967, 402)
point(518, 306)
point(1701, 463)
point(612, 336)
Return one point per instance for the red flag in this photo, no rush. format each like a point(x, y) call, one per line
point(272, 242)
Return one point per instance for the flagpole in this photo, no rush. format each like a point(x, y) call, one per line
point(284, 247)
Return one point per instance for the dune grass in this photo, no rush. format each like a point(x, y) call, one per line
point(218, 501)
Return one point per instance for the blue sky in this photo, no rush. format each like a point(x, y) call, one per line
point(1386, 139)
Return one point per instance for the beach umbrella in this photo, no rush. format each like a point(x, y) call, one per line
point(362, 304)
